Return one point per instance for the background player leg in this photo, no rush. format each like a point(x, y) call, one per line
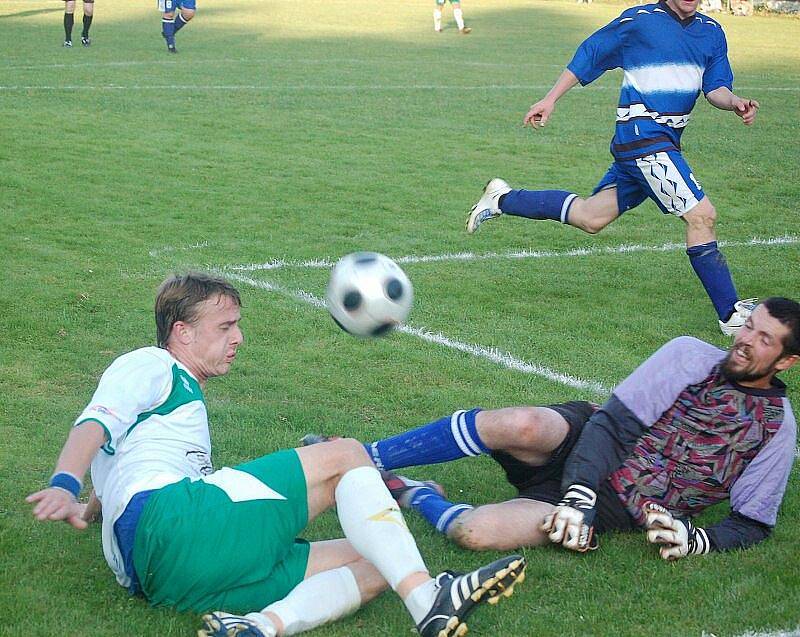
point(168, 30)
point(183, 17)
point(69, 21)
point(458, 15)
point(437, 16)
point(88, 13)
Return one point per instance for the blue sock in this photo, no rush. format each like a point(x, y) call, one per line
point(538, 204)
point(712, 270)
point(179, 22)
point(168, 30)
point(448, 438)
point(436, 509)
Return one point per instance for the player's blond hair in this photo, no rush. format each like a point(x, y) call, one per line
point(179, 298)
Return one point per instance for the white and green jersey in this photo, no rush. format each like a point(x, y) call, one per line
point(154, 415)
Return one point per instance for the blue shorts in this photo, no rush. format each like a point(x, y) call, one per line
point(166, 6)
point(664, 177)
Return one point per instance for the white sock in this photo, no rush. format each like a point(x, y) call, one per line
point(458, 14)
point(372, 521)
point(320, 599)
point(420, 600)
point(437, 19)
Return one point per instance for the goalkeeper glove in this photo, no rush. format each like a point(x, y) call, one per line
point(571, 524)
point(678, 538)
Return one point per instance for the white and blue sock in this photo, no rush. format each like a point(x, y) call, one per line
point(179, 22)
point(436, 509)
point(538, 204)
point(711, 268)
point(168, 30)
point(448, 438)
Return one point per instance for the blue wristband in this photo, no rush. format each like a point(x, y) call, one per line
point(67, 482)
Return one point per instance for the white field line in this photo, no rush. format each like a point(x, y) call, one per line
point(156, 252)
point(791, 632)
point(349, 88)
point(489, 353)
point(205, 63)
point(322, 263)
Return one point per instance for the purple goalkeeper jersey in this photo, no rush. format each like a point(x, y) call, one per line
point(707, 438)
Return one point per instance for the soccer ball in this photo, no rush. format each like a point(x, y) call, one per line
point(368, 294)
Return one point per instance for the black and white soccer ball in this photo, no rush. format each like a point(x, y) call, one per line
point(368, 294)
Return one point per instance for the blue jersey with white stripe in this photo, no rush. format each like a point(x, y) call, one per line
point(666, 62)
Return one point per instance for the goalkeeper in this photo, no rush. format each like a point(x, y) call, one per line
point(691, 427)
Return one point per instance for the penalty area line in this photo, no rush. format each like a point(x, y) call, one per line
point(324, 263)
point(350, 88)
point(491, 354)
point(791, 632)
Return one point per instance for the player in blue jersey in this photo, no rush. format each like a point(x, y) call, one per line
point(175, 14)
point(669, 54)
point(69, 21)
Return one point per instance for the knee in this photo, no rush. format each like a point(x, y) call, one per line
point(524, 424)
point(702, 216)
point(187, 14)
point(348, 453)
point(593, 225)
point(595, 213)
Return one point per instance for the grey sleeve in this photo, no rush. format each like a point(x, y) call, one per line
point(653, 386)
point(758, 492)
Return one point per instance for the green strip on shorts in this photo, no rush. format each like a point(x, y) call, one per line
point(196, 549)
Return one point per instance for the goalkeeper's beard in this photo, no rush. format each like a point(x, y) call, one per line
point(749, 373)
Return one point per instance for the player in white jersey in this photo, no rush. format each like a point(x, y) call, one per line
point(172, 525)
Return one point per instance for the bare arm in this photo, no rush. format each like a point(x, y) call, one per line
point(723, 99)
point(53, 503)
point(540, 112)
point(92, 510)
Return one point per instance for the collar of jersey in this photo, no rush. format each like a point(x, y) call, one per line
point(684, 22)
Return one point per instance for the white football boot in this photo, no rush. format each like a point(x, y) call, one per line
point(219, 624)
point(487, 206)
point(741, 312)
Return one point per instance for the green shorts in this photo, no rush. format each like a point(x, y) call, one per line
point(228, 541)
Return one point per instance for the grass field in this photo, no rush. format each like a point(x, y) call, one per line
point(288, 133)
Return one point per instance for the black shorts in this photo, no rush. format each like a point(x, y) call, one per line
point(543, 483)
